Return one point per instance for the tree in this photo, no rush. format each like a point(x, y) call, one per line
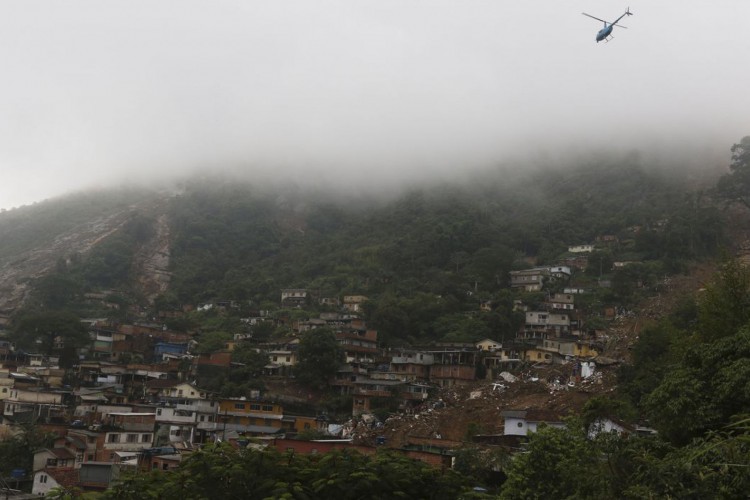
point(735, 186)
point(319, 357)
point(40, 331)
point(725, 305)
point(705, 392)
point(17, 451)
point(212, 341)
point(220, 471)
point(557, 463)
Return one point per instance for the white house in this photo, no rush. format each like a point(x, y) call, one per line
point(581, 249)
point(46, 480)
point(522, 422)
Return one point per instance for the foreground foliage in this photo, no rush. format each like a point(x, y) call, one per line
point(221, 471)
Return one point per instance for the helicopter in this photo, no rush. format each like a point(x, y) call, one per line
point(604, 33)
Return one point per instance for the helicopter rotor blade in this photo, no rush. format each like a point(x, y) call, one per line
point(619, 26)
point(589, 15)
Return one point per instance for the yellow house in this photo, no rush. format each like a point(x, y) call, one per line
point(252, 417)
point(534, 355)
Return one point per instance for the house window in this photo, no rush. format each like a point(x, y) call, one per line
point(239, 406)
point(158, 411)
point(255, 407)
point(146, 438)
point(51, 462)
point(113, 438)
point(132, 438)
point(520, 424)
point(90, 457)
point(42, 478)
point(267, 408)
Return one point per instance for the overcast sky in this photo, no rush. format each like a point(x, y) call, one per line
point(100, 91)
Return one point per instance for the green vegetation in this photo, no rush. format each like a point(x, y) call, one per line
point(735, 186)
point(17, 450)
point(428, 258)
point(220, 471)
point(319, 357)
point(37, 226)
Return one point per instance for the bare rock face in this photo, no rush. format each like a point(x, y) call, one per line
point(151, 263)
point(19, 270)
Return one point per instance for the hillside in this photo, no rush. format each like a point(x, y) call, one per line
point(427, 252)
point(33, 240)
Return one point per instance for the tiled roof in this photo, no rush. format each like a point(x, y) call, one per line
point(67, 477)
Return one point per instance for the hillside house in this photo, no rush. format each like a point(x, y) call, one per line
point(353, 303)
point(488, 345)
point(561, 302)
point(529, 280)
point(191, 422)
point(56, 458)
point(85, 444)
point(173, 391)
point(412, 365)
point(25, 405)
point(568, 347)
point(560, 272)
point(608, 239)
point(293, 297)
point(47, 479)
point(533, 354)
point(221, 358)
point(453, 366)
point(581, 248)
point(280, 362)
point(359, 346)
point(308, 324)
point(523, 422)
point(252, 417)
point(329, 302)
point(543, 324)
point(507, 358)
point(367, 389)
point(128, 432)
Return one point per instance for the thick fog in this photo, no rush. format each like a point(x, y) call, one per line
point(370, 92)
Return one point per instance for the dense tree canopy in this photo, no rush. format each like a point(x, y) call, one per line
point(319, 357)
point(735, 185)
point(220, 471)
